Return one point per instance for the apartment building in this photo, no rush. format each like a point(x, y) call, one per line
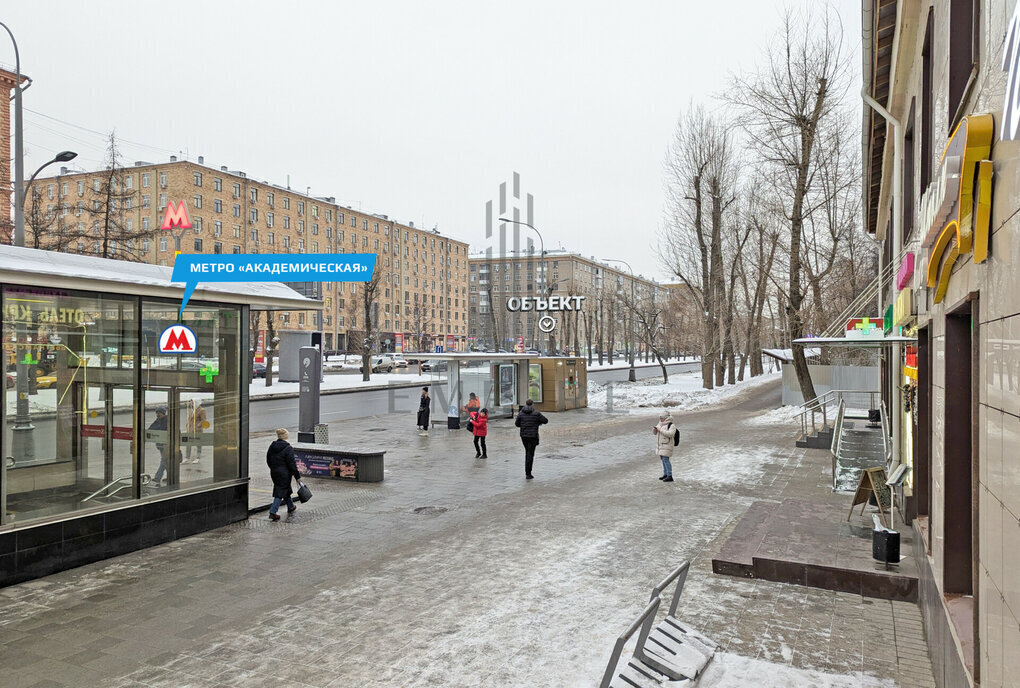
point(423, 293)
point(607, 291)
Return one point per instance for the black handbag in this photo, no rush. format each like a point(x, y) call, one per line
point(303, 493)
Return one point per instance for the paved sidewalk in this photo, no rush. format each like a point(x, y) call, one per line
point(457, 572)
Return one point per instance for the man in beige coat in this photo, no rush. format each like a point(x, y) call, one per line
point(665, 439)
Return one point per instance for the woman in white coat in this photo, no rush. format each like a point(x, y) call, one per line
point(664, 443)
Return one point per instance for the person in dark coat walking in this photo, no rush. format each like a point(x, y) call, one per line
point(424, 409)
point(280, 459)
point(160, 424)
point(528, 421)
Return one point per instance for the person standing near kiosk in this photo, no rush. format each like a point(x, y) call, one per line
point(424, 411)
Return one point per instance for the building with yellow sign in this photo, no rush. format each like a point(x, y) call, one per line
point(942, 192)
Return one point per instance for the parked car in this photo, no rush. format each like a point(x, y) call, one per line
point(258, 370)
point(399, 361)
point(45, 381)
point(381, 364)
point(435, 366)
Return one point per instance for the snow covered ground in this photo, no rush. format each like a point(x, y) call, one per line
point(783, 414)
point(734, 671)
point(683, 393)
point(258, 387)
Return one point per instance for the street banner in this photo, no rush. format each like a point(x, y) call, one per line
point(398, 342)
point(260, 347)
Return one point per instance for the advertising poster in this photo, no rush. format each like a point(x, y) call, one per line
point(398, 342)
point(507, 384)
point(260, 347)
point(535, 382)
point(449, 342)
point(520, 345)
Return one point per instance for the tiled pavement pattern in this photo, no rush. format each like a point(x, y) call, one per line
point(501, 583)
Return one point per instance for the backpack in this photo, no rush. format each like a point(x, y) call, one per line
point(470, 426)
point(676, 437)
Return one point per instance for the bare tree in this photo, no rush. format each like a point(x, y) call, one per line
point(700, 179)
point(271, 341)
point(784, 109)
point(114, 234)
point(368, 299)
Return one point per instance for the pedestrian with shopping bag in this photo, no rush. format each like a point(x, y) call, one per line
point(666, 437)
point(529, 420)
point(282, 468)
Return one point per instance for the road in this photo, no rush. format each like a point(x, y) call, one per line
point(268, 414)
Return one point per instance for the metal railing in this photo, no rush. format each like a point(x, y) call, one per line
point(126, 481)
point(837, 438)
point(644, 622)
point(886, 443)
point(820, 406)
point(679, 572)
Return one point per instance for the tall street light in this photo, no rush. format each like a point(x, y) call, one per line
point(632, 375)
point(545, 274)
point(19, 148)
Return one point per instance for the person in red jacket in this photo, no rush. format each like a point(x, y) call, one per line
point(480, 428)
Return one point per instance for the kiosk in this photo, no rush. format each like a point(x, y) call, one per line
point(111, 445)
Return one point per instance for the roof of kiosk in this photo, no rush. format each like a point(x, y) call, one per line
point(57, 270)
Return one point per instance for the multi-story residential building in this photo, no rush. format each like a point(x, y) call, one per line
point(941, 191)
point(423, 291)
point(603, 314)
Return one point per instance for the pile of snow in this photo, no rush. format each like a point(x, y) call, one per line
point(783, 414)
point(733, 671)
point(258, 387)
point(684, 392)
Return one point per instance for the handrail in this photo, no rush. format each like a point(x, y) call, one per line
point(145, 481)
point(644, 621)
point(886, 444)
point(681, 572)
point(837, 438)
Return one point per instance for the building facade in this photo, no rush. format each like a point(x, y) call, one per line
point(423, 289)
point(941, 189)
point(603, 315)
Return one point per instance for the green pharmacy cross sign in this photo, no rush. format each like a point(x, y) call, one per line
point(209, 372)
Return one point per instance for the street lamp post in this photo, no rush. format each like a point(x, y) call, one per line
point(632, 375)
point(19, 148)
point(545, 274)
point(22, 440)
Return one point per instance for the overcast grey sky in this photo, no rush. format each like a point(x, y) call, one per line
point(412, 109)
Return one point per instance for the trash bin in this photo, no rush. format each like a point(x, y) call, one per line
point(885, 543)
point(452, 418)
point(321, 433)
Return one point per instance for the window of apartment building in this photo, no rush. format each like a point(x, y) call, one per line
point(128, 203)
point(254, 235)
point(146, 181)
point(315, 211)
point(286, 222)
point(253, 214)
point(145, 223)
point(129, 225)
point(301, 318)
point(145, 245)
point(145, 202)
point(271, 199)
point(364, 225)
point(340, 218)
point(329, 214)
point(376, 245)
point(286, 203)
point(354, 221)
point(217, 184)
point(198, 244)
point(340, 235)
point(198, 200)
point(300, 226)
point(962, 55)
point(162, 201)
point(217, 228)
point(162, 244)
point(162, 180)
point(286, 241)
point(237, 249)
point(218, 206)
point(269, 219)
point(329, 232)
point(364, 241)
point(315, 247)
point(300, 207)
point(301, 245)
point(271, 238)
point(129, 182)
point(237, 190)
point(217, 248)
point(198, 178)
point(253, 195)
point(237, 231)
point(95, 185)
point(315, 228)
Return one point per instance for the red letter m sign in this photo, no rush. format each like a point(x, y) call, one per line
point(176, 218)
point(177, 341)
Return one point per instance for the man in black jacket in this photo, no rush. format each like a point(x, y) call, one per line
point(528, 421)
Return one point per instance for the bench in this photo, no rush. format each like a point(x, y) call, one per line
point(671, 651)
point(330, 461)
